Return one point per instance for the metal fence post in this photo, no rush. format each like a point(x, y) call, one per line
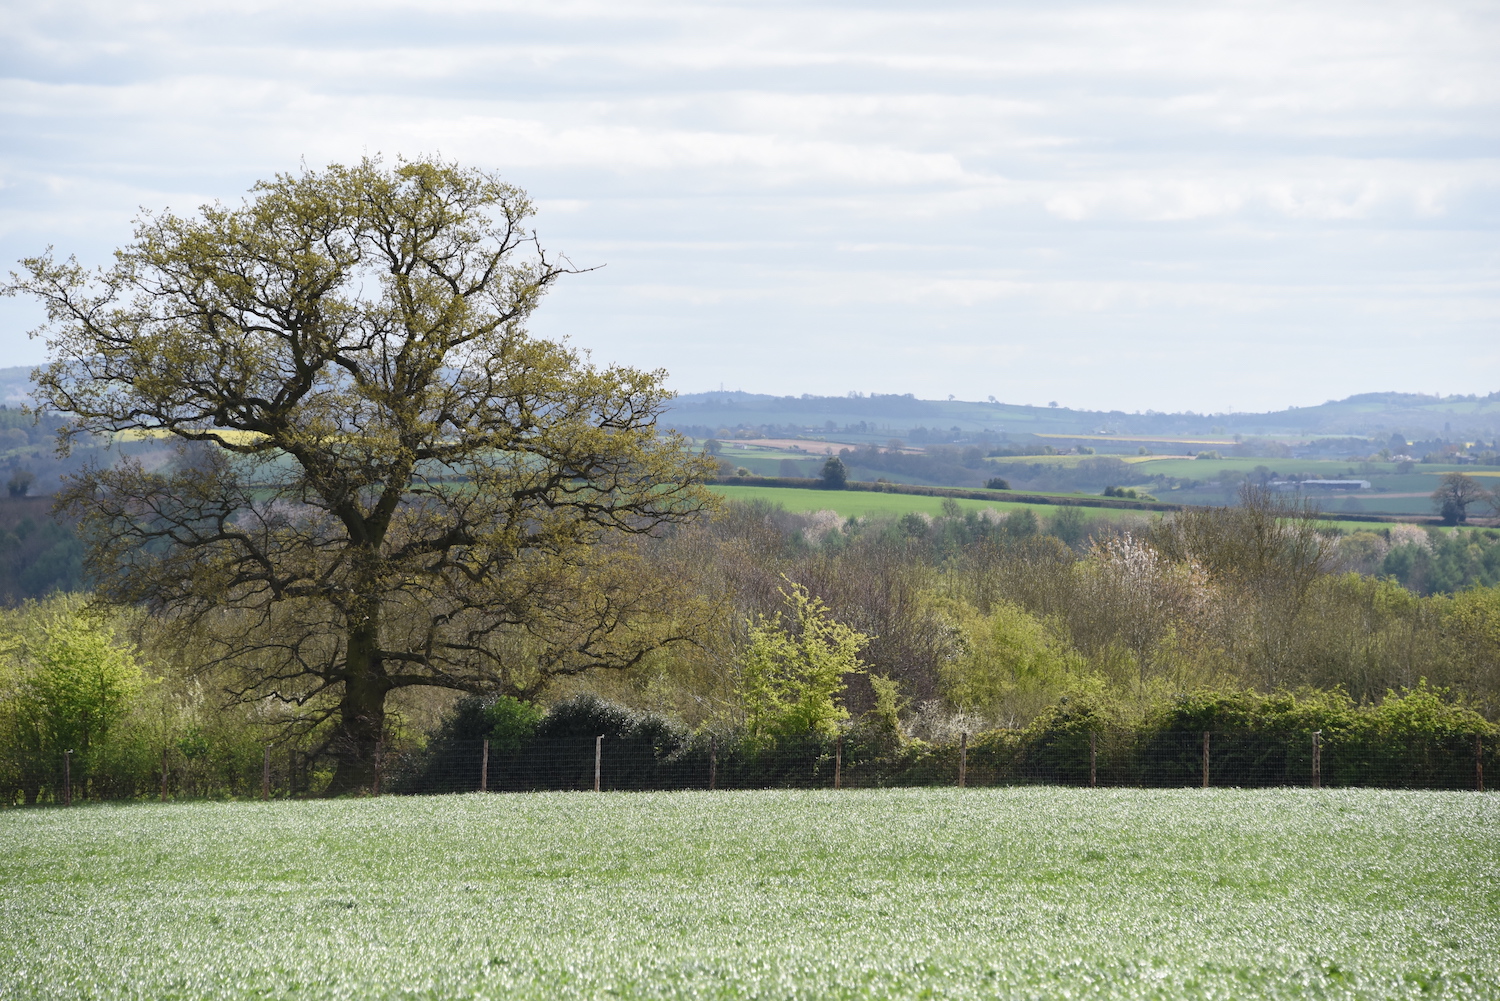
point(67, 778)
point(598, 758)
point(963, 759)
point(1478, 764)
point(1317, 763)
point(484, 767)
point(713, 763)
point(838, 761)
point(1093, 759)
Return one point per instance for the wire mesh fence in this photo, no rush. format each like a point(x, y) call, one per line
point(1093, 758)
point(614, 763)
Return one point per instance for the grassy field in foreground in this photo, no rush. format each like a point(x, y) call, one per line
point(1036, 893)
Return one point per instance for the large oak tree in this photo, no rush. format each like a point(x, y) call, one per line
point(383, 480)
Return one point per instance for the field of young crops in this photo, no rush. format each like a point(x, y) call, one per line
point(862, 504)
point(1035, 892)
point(867, 504)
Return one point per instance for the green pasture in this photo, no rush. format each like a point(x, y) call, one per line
point(864, 504)
point(930, 893)
point(861, 504)
point(1204, 469)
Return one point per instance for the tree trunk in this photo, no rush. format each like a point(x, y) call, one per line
point(361, 712)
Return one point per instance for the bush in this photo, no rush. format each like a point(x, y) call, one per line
point(66, 684)
point(1416, 738)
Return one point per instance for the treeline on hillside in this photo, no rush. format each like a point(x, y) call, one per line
point(39, 554)
point(1426, 562)
point(949, 467)
point(30, 464)
point(973, 466)
point(921, 629)
point(1094, 473)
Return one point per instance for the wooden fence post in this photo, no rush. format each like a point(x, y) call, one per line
point(1317, 764)
point(67, 778)
point(1205, 759)
point(484, 767)
point(713, 763)
point(963, 759)
point(265, 773)
point(163, 774)
point(1478, 764)
point(598, 758)
point(838, 761)
point(1093, 759)
point(379, 764)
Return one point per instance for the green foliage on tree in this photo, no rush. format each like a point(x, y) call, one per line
point(1011, 664)
point(1442, 562)
point(834, 475)
point(384, 481)
point(793, 668)
point(1455, 494)
point(66, 682)
point(511, 721)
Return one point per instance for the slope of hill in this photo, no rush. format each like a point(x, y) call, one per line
point(1412, 415)
point(15, 386)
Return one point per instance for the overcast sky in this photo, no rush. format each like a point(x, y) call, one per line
point(1168, 205)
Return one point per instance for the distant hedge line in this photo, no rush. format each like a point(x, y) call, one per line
point(1412, 740)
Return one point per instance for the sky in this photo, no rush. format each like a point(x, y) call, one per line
point(1131, 205)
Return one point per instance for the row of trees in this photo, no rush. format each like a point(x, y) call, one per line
point(996, 617)
point(805, 624)
point(917, 629)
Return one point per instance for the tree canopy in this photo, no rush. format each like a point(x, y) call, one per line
point(1453, 496)
point(383, 481)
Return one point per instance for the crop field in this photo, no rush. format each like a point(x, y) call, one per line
point(867, 504)
point(1201, 469)
point(861, 504)
point(980, 893)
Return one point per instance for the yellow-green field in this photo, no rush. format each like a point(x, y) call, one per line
point(862, 504)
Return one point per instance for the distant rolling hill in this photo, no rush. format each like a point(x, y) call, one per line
point(1411, 414)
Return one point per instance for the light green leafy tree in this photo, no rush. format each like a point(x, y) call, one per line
point(1010, 664)
point(794, 667)
point(66, 681)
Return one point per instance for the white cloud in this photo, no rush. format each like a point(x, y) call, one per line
point(1075, 192)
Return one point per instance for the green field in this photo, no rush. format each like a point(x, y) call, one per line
point(868, 504)
point(863, 504)
point(980, 893)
